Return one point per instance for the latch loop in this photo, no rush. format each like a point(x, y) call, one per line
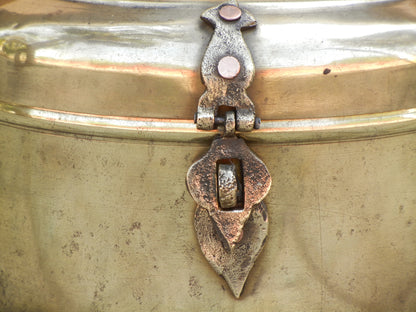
point(229, 190)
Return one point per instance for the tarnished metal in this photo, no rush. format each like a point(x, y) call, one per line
point(229, 181)
point(234, 265)
point(227, 56)
point(229, 123)
point(202, 184)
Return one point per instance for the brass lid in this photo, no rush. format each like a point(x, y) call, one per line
point(314, 59)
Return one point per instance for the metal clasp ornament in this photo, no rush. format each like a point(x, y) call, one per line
point(230, 181)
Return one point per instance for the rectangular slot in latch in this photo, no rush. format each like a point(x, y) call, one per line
point(230, 186)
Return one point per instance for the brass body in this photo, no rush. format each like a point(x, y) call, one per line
point(94, 211)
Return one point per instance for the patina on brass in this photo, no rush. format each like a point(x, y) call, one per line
point(229, 182)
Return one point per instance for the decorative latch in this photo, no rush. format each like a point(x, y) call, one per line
point(230, 181)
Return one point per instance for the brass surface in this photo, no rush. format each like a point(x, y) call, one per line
point(94, 214)
point(108, 225)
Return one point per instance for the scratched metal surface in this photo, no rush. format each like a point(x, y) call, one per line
point(94, 211)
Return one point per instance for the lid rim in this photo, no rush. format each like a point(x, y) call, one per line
point(289, 131)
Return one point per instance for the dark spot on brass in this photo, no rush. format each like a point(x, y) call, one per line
point(70, 249)
point(163, 162)
point(4, 283)
point(135, 226)
point(195, 289)
point(77, 234)
point(327, 71)
point(230, 13)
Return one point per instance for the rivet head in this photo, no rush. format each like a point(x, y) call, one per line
point(230, 12)
point(228, 67)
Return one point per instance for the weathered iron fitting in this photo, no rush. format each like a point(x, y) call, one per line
point(229, 182)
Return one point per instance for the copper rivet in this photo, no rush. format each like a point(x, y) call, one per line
point(230, 12)
point(228, 67)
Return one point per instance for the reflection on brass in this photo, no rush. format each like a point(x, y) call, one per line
point(107, 49)
point(229, 182)
point(298, 131)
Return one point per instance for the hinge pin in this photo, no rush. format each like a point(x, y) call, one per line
point(220, 121)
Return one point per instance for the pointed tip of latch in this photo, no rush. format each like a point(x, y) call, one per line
point(237, 289)
point(233, 265)
point(235, 281)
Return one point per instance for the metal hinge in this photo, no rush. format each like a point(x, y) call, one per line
point(230, 181)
